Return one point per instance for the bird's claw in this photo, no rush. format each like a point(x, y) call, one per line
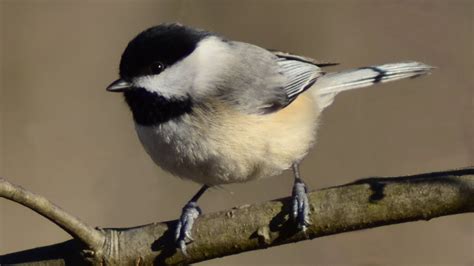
point(191, 211)
point(300, 205)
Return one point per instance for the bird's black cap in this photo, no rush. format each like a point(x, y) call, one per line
point(165, 43)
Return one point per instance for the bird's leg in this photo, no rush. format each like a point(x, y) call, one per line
point(300, 204)
point(185, 224)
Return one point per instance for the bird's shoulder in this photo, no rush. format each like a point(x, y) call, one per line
point(264, 81)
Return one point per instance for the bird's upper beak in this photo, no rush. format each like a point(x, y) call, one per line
point(119, 85)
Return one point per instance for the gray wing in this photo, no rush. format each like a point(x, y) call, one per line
point(299, 76)
point(261, 81)
point(301, 58)
point(301, 71)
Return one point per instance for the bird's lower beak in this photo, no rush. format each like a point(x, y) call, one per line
point(119, 85)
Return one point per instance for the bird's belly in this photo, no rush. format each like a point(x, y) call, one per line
point(230, 148)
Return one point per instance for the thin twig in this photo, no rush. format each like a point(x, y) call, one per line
point(91, 237)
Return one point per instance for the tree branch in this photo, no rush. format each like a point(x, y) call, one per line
point(366, 203)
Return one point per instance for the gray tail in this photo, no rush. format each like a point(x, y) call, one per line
point(329, 85)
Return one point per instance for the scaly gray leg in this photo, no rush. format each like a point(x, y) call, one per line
point(300, 206)
point(190, 212)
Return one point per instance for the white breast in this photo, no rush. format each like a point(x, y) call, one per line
point(214, 146)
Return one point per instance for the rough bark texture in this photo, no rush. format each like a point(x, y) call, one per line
point(362, 204)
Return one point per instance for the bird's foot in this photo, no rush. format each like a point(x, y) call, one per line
point(191, 211)
point(300, 205)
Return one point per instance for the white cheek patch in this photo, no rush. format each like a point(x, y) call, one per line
point(194, 75)
point(174, 82)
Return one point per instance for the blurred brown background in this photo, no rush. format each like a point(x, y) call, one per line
point(63, 136)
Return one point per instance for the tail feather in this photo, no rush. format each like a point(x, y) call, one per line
point(329, 85)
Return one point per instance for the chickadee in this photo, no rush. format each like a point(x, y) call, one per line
point(218, 111)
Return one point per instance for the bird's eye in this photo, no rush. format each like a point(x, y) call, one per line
point(157, 67)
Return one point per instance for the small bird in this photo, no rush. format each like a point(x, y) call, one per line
point(218, 111)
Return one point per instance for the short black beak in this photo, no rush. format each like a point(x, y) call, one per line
point(119, 85)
